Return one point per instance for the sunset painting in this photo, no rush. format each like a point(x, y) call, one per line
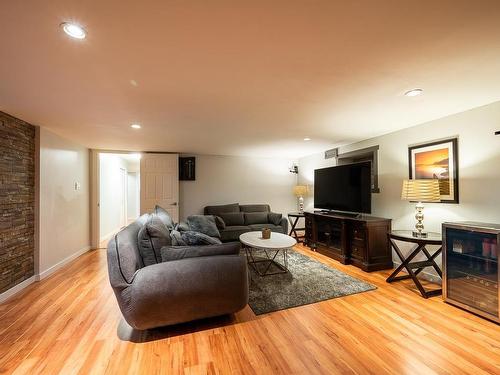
point(434, 164)
point(437, 160)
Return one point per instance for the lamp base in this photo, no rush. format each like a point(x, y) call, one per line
point(419, 234)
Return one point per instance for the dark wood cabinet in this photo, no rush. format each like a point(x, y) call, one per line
point(359, 240)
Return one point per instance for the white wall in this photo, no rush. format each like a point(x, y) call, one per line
point(230, 179)
point(479, 169)
point(64, 211)
point(111, 193)
point(133, 198)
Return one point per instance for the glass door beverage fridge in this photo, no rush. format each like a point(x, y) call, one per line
point(470, 267)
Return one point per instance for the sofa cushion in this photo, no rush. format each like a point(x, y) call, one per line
point(165, 217)
point(216, 210)
point(219, 222)
point(255, 218)
point(233, 218)
point(204, 224)
point(176, 238)
point(232, 233)
point(169, 253)
point(255, 208)
point(192, 238)
point(151, 238)
point(274, 218)
point(274, 228)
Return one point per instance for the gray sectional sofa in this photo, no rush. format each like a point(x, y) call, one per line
point(177, 284)
point(235, 219)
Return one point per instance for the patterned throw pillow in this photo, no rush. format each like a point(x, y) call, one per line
point(204, 224)
point(192, 238)
point(176, 238)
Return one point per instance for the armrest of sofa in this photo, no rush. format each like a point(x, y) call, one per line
point(170, 253)
point(284, 224)
point(187, 289)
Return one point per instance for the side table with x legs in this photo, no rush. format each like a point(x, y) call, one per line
point(414, 268)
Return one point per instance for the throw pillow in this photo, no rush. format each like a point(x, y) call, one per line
point(274, 218)
point(233, 218)
point(255, 218)
point(192, 238)
point(176, 238)
point(165, 217)
point(151, 238)
point(221, 225)
point(203, 224)
point(181, 227)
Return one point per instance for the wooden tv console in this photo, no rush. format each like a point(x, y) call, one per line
point(359, 240)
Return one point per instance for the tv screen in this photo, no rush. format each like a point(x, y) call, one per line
point(344, 188)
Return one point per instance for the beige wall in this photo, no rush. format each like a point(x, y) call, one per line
point(230, 179)
point(64, 211)
point(479, 169)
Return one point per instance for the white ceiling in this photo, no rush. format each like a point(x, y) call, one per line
point(245, 77)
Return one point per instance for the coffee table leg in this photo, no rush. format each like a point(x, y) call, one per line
point(269, 261)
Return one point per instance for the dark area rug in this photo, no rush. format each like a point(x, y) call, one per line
point(307, 282)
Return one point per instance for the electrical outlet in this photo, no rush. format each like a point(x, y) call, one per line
point(77, 186)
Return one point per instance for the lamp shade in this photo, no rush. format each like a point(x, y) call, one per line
point(300, 190)
point(421, 190)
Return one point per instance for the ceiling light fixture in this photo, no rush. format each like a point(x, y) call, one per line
point(74, 30)
point(135, 126)
point(307, 139)
point(414, 92)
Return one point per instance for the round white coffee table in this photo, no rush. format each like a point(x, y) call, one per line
point(271, 247)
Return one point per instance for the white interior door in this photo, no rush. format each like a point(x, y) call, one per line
point(160, 183)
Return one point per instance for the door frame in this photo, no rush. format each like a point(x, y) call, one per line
point(95, 196)
point(95, 189)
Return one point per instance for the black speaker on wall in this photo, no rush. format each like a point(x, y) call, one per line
point(187, 171)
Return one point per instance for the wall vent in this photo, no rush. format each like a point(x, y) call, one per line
point(333, 153)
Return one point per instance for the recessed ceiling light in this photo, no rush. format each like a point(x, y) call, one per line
point(135, 126)
point(74, 30)
point(414, 92)
point(307, 139)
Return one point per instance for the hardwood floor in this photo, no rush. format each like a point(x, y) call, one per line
point(70, 324)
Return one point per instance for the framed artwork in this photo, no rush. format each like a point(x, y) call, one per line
point(437, 160)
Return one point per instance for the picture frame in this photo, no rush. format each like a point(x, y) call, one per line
point(437, 159)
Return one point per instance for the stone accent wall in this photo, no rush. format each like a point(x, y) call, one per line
point(17, 201)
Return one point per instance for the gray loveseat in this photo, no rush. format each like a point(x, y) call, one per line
point(239, 219)
point(196, 286)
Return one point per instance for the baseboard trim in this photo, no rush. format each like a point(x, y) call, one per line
point(49, 271)
point(17, 288)
point(42, 275)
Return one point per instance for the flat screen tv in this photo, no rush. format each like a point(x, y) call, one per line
point(344, 188)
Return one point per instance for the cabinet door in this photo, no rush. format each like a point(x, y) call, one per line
point(472, 269)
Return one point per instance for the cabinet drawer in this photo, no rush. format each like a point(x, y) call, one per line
point(358, 251)
point(358, 234)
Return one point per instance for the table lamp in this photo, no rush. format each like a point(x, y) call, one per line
point(420, 191)
point(300, 191)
